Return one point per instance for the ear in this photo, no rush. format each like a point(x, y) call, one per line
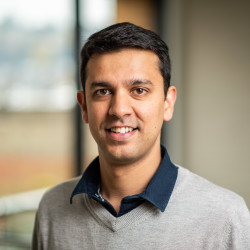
point(82, 104)
point(169, 103)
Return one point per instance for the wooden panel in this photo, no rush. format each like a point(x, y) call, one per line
point(139, 12)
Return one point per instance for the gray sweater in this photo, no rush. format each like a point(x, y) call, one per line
point(199, 215)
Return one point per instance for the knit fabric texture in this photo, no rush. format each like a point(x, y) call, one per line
point(199, 215)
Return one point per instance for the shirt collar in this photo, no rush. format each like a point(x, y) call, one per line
point(158, 191)
point(90, 181)
point(161, 186)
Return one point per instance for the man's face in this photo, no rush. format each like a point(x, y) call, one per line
point(125, 104)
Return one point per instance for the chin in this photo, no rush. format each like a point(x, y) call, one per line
point(122, 155)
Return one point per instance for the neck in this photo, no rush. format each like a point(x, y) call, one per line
point(121, 180)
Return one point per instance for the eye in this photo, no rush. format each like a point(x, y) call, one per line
point(102, 92)
point(140, 91)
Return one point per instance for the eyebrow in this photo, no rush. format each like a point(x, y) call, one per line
point(94, 85)
point(141, 81)
point(132, 82)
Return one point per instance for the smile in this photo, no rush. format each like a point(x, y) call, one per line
point(121, 130)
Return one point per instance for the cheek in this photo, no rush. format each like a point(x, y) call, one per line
point(94, 126)
point(151, 112)
point(95, 111)
point(155, 116)
point(96, 116)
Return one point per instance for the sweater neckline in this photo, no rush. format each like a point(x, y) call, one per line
point(157, 192)
point(115, 224)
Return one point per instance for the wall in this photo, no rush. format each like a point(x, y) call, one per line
point(209, 41)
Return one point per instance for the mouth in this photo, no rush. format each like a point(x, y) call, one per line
point(121, 130)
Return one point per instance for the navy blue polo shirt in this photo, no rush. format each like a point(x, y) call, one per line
point(158, 191)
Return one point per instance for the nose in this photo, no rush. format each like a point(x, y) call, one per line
point(120, 105)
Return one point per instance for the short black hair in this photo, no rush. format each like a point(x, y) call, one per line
point(122, 36)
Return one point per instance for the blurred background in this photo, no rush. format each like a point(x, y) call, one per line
point(42, 139)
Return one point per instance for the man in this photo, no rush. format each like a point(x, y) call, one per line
point(132, 196)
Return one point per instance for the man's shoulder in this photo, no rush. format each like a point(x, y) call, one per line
point(202, 191)
point(210, 211)
point(60, 193)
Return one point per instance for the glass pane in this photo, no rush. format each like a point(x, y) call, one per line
point(37, 97)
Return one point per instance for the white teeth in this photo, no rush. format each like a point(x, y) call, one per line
point(121, 130)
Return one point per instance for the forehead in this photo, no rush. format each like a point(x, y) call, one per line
point(123, 64)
